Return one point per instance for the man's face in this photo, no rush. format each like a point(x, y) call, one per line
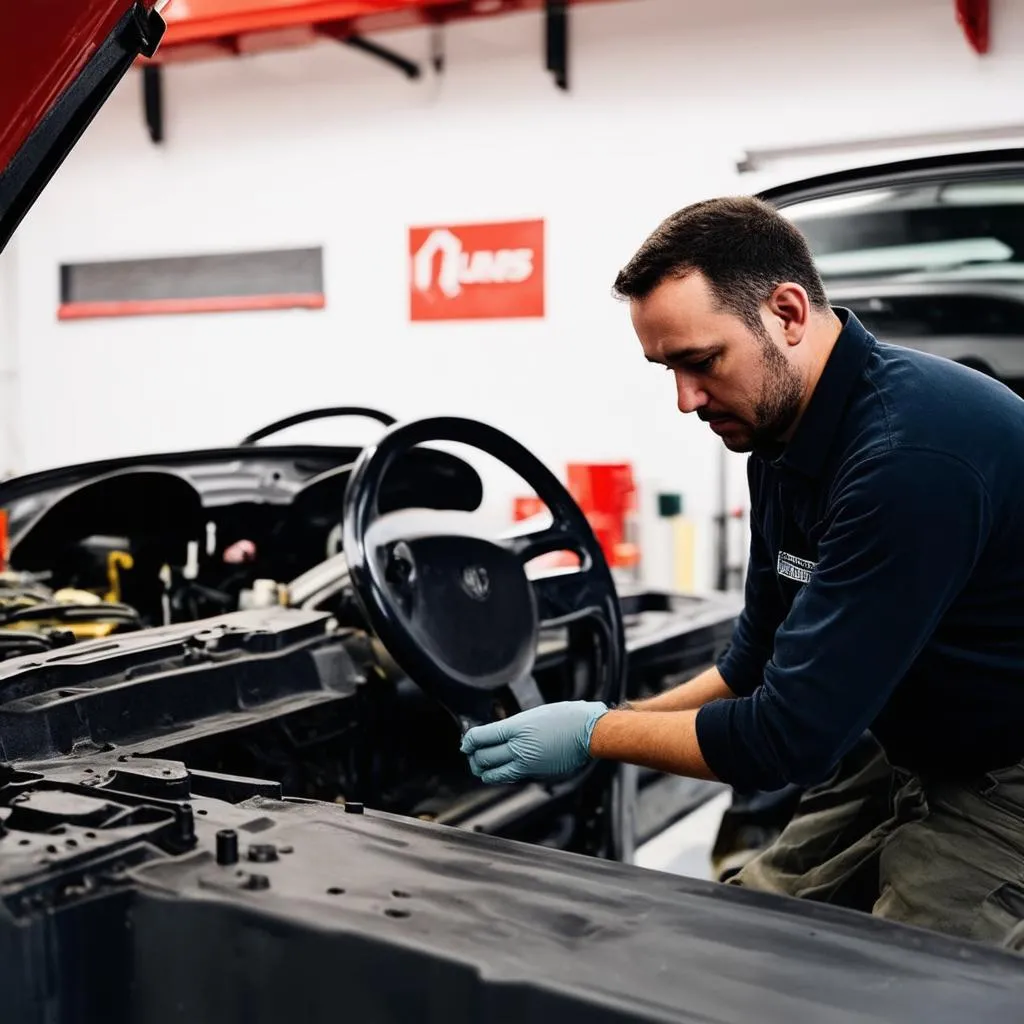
point(739, 381)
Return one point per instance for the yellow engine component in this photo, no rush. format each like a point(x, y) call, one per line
point(21, 591)
point(116, 561)
point(82, 630)
point(71, 595)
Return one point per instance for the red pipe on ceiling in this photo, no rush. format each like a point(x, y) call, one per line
point(207, 28)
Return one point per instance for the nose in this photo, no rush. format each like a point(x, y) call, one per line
point(689, 397)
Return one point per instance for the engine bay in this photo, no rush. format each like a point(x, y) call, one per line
point(198, 609)
point(112, 547)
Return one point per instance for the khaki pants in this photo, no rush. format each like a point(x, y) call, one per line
point(948, 857)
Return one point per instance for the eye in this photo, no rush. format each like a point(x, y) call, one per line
point(704, 365)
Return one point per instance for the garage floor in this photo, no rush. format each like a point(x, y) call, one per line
point(685, 848)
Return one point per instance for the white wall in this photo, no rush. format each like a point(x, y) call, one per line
point(325, 146)
point(11, 455)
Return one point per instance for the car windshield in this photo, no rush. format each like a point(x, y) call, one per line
point(939, 258)
point(962, 230)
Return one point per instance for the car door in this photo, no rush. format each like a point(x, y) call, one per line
point(928, 253)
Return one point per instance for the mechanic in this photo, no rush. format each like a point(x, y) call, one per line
point(879, 659)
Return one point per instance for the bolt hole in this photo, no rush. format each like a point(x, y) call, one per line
point(58, 830)
point(90, 835)
point(202, 812)
point(399, 895)
point(72, 843)
point(336, 891)
point(167, 771)
point(392, 912)
point(24, 842)
point(90, 771)
point(51, 849)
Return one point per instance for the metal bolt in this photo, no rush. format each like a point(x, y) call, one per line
point(262, 853)
point(186, 824)
point(353, 807)
point(227, 847)
point(257, 883)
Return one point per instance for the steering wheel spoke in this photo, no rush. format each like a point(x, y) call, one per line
point(533, 543)
point(562, 597)
point(527, 693)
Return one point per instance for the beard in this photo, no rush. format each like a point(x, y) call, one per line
point(778, 403)
point(776, 408)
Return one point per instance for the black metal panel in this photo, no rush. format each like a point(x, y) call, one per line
point(144, 686)
point(328, 915)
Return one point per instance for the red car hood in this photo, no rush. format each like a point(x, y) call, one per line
point(59, 60)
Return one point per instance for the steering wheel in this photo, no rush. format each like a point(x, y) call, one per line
point(316, 414)
point(454, 606)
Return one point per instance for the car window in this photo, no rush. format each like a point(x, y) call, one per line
point(924, 259)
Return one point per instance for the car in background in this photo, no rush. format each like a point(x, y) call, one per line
point(928, 253)
point(230, 785)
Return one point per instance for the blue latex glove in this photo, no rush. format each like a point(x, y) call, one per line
point(545, 742)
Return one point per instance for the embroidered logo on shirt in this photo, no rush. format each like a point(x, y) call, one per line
point(794, 568)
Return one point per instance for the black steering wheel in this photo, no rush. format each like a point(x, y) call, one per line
point(316, 414)
point(453, 606)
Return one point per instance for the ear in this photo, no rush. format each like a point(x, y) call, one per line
point(790, 305)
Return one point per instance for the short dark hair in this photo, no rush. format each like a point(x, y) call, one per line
point(743, 246)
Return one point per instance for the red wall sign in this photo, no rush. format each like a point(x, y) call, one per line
point(477, 271)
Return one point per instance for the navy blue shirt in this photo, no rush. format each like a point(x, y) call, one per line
point(885, 589)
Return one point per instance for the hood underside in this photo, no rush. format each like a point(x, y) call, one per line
point(59, 61)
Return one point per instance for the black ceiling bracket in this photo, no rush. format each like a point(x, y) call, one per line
point(409, 68)
point(153, 100)
point(437, 49)
point(557, 40)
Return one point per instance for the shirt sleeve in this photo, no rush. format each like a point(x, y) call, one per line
point(743, 662)
point(902, 534)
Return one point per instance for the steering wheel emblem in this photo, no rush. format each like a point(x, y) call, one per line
point(476, 582)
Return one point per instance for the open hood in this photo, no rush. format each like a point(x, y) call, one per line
point(59, 61)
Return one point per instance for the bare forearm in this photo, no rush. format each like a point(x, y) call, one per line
point(663, 740)
point(688, 696)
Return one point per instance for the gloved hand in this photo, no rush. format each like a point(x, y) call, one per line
point(544, 742)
